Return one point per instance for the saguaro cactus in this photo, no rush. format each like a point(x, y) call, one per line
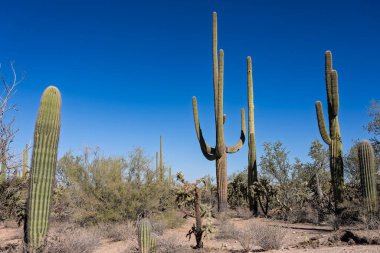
point(162, 172)
point(333, 139)
point(157, 169)
point(43, 167)
point(218, 153)
point(368, 175)
point(25, 162)
point(252, 163)
point(147, 244)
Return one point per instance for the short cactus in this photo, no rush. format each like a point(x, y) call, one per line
point(42, 172)
point(147, 244)
point(368, 175)
point(333, 139)
point(219, 152)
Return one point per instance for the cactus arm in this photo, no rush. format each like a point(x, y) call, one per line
point(215, 59)
point(239, 144)
point(207, 151)
point(334, 93)
point(321, 123)
point(220, 145)
point(328, 69)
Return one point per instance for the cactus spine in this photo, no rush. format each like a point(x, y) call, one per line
point(219, 152)
point(368, 175)
point(333, 139)
point(252, 163)
point(25, 162)
point(43, 167)
point(147, 244)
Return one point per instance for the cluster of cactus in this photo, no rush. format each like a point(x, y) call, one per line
point(43, 168)
point(219, 152)
point(252, 163)
point(333, 139)
point(147, 243)
point(367, 169)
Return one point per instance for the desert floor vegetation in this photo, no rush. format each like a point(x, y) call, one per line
point(90, 201)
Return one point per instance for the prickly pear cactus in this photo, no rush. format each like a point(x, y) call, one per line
point(42, 172)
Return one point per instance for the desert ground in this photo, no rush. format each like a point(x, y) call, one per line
point(296, 238)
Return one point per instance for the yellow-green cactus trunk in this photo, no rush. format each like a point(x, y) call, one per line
point(368, 176)
point(252, 163)
point(42, 172)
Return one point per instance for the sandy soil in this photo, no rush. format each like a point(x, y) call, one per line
point(298, 238)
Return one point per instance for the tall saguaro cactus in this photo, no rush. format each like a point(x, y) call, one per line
point(219, 152)
point(157, 169)
point(333, 139)
point(43, 168)
point(368, 175)
point(161, 163)
point(252, 163)
point(25, 162)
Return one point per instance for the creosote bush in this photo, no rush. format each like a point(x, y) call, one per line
point(96, 189)
point(262, 235)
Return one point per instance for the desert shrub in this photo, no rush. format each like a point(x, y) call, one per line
point(243, 212)
point(304, 215)
point(71, 239)
point(97, 189)
point(226, 230)
point(13, 194)
point(238, 190)
point(264, 236)
point(171, 244)
point(166, 220)
point(118, 232)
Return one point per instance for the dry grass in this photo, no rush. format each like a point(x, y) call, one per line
point(226, 230)
point(243, 212)
point(70, 239)
point(171, 244)
point(118, 232)
point(264, 236)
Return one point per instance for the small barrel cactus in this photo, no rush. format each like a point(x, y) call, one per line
point(147, 244)
point(368, 175)
point(42, 171)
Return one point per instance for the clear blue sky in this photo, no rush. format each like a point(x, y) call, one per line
point(127, 71)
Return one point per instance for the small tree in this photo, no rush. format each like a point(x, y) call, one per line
point(7, 131)
point(373, 127)
point(265, 193)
